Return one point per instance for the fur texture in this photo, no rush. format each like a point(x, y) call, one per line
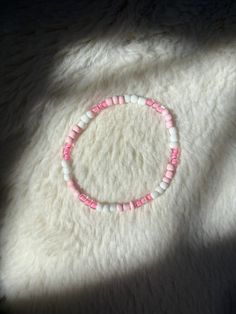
point(176, 254)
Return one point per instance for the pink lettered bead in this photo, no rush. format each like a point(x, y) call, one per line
point(121, 100)
point(137, 203)
point(143, 200)
point(169, 124)
point(148, 197)
point(104, 104)
point(109, 101)
point(88, 201)
point(169, 174)
point(115, 100)
point(149, 102)
point(174, 161)
point(170, 167)
point(83, 197)
point(95, 109)
point(168, 117)
point(93, 205)
point(165, 112)
point(166, 180)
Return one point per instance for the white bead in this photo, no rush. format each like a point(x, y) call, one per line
point(90, 114)
point(173, 144)
point(66, 170)
point(164, 185)
point(85, 118)
point(174, 138)
point(99, 207)
point(141, 101)
point(134, 99)
point(65, 163)
point(105, 208)
point(172, 131)
point(159, 190)
point(112, 207)
point(127, 98)
point(154, 194)
point(67, 176)
point(82, 125)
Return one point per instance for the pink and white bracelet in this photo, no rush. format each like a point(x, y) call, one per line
point(75, 132)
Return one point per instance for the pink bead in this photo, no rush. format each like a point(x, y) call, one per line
point(174, 161)
point(169, 124)
point(119, 207)
point(170, 167)
point(148, 197)
point(149, 102)
point(109, 101)
point(121, 100)
point(137, 203)
point(73, 134)
point(104, 104)
point(115, 100)
point(88, 201)
point(165, 112)
point(168, 117)
point(95, 109)
point(76, 129)
point(70, 183)
point(66, 157)
point(166, 180)
point(143, 200)
point(169, 174)
point(69, 140)
point(131, 205)
point(83, 197)
point(93, 205)
point(76, 194)
point(126, 206)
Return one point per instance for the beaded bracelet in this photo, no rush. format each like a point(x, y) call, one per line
point(75, 132)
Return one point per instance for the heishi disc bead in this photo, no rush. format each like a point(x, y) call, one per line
point(126, 206)
point(85, 118)
point(67, 176)
point(173, 144)
point(65, 163)
point(134, 99)
point(168, 117)
point(154, 194)
point(76, 129)
point(105, 208)
point(170, 167)
point(167, 180)
point(173, 138)
point(159, 190)
point(66, 170)
point(112, 207)
point(69, 140)
point(165, 112)
point(169, 124)
point(99, 207)
point(90, 114)
point(169, 174)
point(121, 100)
point(81, 124)
point(73, 134)
point(109, 101)
point(131, 205)
point(70, 183)
point(119, 207)
point(141, 101)
point(172, 131)
point(164, 185)
point(149, 102)
point(115, 100)
point(127, 98)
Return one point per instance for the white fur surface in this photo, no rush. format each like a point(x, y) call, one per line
point(174, 255)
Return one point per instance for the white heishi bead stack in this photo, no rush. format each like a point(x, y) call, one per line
point(159, 190)
point(173, 138)
point(66, 169)
point(141, 101)
point(81, 124)
point(164, 185)
point(127, 98)
point(85, 118)
point(105, 208)
point(99, 207)
point(112, 207)
point(134, 99)
point(90, 114)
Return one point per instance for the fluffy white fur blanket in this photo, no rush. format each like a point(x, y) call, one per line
point(175, 255)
